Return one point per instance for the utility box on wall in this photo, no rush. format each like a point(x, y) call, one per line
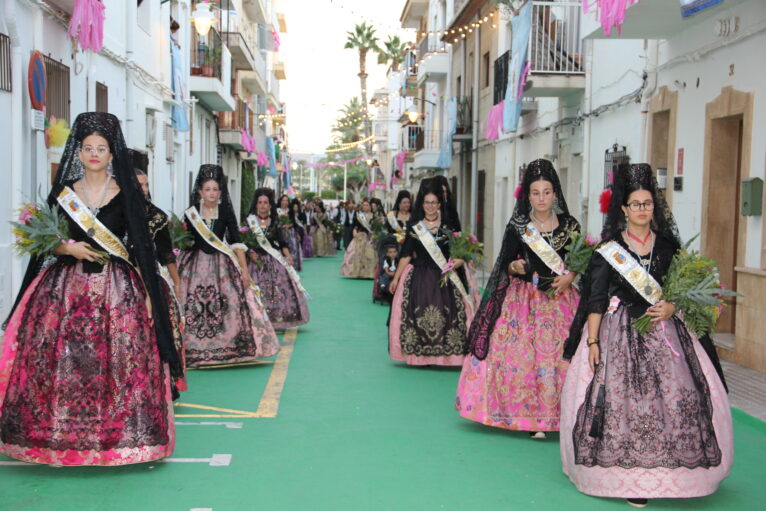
point(752, 196)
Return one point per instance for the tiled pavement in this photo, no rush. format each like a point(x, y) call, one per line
point(747, 389)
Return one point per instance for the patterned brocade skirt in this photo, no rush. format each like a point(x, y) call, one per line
point(429, 323)
point(653, 422)
point(283, 300)
point(294, 245)
point(360, 258)
point(81, 381)
point(518, 385)
point(224, 324)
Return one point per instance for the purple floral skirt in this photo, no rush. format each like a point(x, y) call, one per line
point(81, 381)
point(285, 303)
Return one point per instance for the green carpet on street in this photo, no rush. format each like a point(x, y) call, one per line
point(354, 431)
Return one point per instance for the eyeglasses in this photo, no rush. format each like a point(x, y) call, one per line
point(641, 206)
point(101, 150)
point(431, 202)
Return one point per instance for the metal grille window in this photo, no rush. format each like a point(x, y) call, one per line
point(102, 97)
point(501, 76)
point(613, 159)
point(57, 91)
point(5, 63)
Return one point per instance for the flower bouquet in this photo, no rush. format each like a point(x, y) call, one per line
point(251, 242)
point(180, 236)
point(338, 231)
point(40, 229)
point(579, 251)
point(284, 221)
point(693, 285)
point(378, 226)
point(462, 245)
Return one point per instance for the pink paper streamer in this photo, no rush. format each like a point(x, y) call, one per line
point(611, 13)
point(87, 24)
point(494, 121)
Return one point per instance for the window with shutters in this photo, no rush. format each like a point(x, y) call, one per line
point(501, 76)
point(5, 63)
point(57, 100)
point(102, 97)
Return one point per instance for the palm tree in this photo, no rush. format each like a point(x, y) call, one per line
point(364, 40)
point(392, 50)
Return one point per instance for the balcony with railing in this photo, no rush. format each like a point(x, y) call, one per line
point(464, 124)
point(410, 74)
point(427, 149)
point(230, 124)
point(555, 51)
point(210, 79)
point(412, 135)
point(434, 60)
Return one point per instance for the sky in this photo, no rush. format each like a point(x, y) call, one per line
point(321, 74)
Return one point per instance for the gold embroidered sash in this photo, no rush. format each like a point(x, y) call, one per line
point(627, 266)
point(365, 223)
point(260, 236)
point(195, 219)
point(428, 241)
point(84, 217)
point(393, 222)
point(544, 251)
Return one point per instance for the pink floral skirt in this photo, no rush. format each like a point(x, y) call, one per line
point(665, 421)
point(81, 381)
point(518, 385)
point(224, 324)
point(284, 301)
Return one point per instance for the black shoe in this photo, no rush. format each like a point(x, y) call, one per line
point(638, 502)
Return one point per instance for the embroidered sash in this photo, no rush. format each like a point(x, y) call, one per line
point(544, 251)
point(428, 241)
point(365, 223)
point(393, 222)
point(627, 266)
point(214, 241)
point(260, 236)
point(84, 217)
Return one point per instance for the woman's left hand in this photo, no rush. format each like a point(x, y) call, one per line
point(457, 263)
point(562, 282)
point(661, 312)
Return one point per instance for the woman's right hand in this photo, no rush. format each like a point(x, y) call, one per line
point(80, 250)
point(517, 267)
point(594, 356)
point(392, 285)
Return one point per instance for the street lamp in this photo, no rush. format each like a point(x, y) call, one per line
point(414, 115)
point(203, 19)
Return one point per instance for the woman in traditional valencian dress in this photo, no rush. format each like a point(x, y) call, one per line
point(513, 377)
point(429, 321)
point(88, 347)
point(441, 183)
point(225, 325)
point(360, 258)
point(398, 218)
point(170, 281)
point(642, 416)
point(290, 232)
point(297, 218)
point(319, 231)
point(305, 219)
point(271, 265)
